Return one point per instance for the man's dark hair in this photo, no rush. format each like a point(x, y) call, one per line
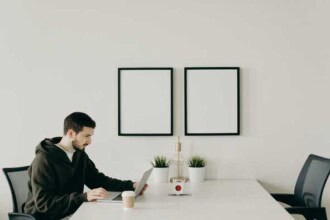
point(76, 121)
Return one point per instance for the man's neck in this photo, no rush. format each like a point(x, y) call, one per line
point(66, 144)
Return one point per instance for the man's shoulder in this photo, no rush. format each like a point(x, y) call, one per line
point(42, 157)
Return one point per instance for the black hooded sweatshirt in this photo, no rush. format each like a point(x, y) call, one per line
point(56, 184)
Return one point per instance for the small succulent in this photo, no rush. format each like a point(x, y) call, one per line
point(197, 161)
point(160, 162)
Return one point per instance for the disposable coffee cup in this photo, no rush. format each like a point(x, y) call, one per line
point(128, 199)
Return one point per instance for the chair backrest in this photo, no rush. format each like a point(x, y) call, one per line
point(311, 181)
point(18, 178)
point(20, 216)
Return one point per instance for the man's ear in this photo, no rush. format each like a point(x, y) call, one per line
point(71, 133)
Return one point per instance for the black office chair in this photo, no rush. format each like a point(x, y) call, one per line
point(308, 191)
point(17, 178)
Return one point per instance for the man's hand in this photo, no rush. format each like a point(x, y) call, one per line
point(144, 188)
point(95, 194)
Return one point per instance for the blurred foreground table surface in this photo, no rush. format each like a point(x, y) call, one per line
point(212, 199)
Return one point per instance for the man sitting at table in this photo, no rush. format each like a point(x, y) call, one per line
point(60, 170)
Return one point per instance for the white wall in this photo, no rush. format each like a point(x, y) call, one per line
point(57, 57)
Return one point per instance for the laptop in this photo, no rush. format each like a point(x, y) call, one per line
point(116, 196)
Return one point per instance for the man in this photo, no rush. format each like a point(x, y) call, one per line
point(60, 170)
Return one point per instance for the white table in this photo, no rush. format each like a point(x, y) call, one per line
point(214, 199)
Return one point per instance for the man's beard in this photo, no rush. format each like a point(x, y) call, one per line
point(77, 147)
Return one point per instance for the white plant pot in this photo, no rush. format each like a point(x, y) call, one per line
point(160, 174)
point(196, 174)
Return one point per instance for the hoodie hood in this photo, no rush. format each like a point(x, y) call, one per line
point(48, 147)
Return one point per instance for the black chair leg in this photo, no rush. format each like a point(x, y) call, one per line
point(321, 214)
point(309, 213)
point(317, 215)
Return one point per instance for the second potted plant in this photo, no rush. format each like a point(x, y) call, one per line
point(196, 169)
point(161, 169)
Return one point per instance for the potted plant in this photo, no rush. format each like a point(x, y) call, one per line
point(161, 169)
point(196, 169)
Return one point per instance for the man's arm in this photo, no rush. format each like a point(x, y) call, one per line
point(95, 179)
point(43, 190)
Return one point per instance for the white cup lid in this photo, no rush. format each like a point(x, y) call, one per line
point(128, 194)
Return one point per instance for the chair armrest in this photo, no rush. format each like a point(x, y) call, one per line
point(309, 213)
point(288, 199)
point(20, 216)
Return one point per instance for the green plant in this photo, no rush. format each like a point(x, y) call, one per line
point(197, 161)
point(160, 162)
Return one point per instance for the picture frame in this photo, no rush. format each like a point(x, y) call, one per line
point(145, 101)
point(212, 100)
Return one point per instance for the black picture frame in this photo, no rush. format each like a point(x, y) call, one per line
point(145, 101)
point(212, 100)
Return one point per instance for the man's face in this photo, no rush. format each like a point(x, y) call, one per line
point(82, 138)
